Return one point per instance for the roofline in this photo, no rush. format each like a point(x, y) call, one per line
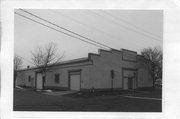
point(116, 50)
point(128, 50)
point(73, 61)
point(92, 54)
point(80, 60)
point(140, 55)
point(102, 50)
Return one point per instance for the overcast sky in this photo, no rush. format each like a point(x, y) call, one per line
point(128, 29)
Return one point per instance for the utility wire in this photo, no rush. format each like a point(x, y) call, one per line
point(111, 21)
point(64, 28)
point(99, 30)
point(60, 31)
point(136, 27)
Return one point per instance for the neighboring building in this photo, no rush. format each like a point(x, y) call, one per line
point(115, 69)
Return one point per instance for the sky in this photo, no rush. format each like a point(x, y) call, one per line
point(128, 29)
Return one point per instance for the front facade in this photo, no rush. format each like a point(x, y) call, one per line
point(115, 69)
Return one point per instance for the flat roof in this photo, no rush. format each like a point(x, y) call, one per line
point(73, 61)
point(79, 60)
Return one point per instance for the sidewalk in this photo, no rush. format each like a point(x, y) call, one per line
point(58, 93)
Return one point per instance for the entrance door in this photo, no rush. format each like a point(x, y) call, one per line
point(39, 81)
point(125, 84)
point(75, 78)
point(129, 79)
point(130, 83)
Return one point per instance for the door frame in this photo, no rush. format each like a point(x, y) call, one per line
point(130, 69)
point(69, 76)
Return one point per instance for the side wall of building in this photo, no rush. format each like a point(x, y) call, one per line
point(62, 70)
point(26, 78)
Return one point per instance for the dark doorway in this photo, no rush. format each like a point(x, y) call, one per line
point(130, 83)
point(44, 80)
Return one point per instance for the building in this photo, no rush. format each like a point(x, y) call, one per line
point(115, 69)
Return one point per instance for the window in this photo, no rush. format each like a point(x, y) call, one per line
point(56, 78)
point(29, 78)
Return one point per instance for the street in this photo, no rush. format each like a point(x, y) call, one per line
point(25, 100)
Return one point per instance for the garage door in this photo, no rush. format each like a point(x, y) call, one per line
point(75, 78)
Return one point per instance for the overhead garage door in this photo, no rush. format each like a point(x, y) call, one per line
point(75, 78)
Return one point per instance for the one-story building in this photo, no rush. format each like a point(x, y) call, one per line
point(115, 69)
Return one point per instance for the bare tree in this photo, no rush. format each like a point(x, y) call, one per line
point(42, 57)
point(17, 65)
point(154, 59)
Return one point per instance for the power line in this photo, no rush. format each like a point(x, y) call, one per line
point(65, 28)
point(60, 31)
point(94, 28)
point(111, 21)
point(136, 27)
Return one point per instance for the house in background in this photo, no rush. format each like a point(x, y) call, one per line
point(115, 69)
